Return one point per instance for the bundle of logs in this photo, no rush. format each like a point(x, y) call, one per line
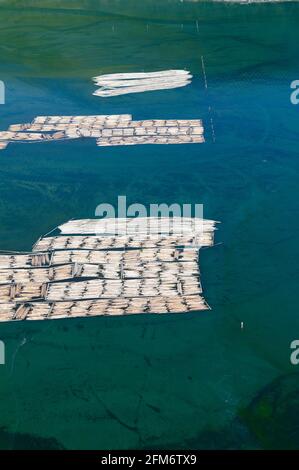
point(124, 83)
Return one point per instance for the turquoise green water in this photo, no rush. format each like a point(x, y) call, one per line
point(196, 380)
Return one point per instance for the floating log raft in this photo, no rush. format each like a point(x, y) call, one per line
point(121, 269)
point(37, 275)
point(108, 130)
point(78, 273)
point(125, 83)
point(25, 260)
point(97, 257)
point(103, 288)
point(122, 241)
point(27, 136)
point(108, 307)
point(166, 286)
point(21, 292)
point(164, 255)
point(149, 132)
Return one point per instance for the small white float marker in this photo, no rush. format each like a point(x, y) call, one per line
point(242, 325)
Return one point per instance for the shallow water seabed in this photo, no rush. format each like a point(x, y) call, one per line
point(152, 381)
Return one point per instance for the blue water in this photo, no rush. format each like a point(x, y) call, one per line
point(171, 381)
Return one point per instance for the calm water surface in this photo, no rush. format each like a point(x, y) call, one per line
point(196, 380)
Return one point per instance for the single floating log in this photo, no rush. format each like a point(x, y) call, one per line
point(79, 274)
